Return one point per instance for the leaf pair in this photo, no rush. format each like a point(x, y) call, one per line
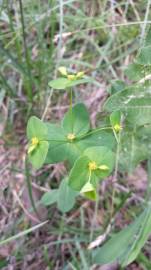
point(134, 101)
point(144, 55)
point(142, 66)
point(76, 124)
point(64, 197)
point(125, 246)
point(95, 163)
point(38, 144)
point(65, 83)
point(66, 141)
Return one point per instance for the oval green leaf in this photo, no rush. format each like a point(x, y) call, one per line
point(50, 197)
point(66, 197)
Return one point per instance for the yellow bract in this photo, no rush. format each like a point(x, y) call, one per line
point(63, 71)
point(117, 127)
point(34, 143)
point(103, 167)
point(70, 77)
point(92, 165)
point(80, 74)
point(87, 187)
point(71, 136)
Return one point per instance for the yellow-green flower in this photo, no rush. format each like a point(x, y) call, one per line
point(71, 77)
point(93, 166)
point(117, 127)
point(71, 137)
point(63, 71)
point(33, 144)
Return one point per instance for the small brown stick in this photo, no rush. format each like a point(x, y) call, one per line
point(101, 238)
point(22, 206)
point(147, 77)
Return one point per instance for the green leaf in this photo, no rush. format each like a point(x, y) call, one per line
point(140, 238)
point(38, 156)
point(89, 191)
point(66, 197)
point(144, 56)
point(115, 118)
point(135, 72)
point(50, 197)
point(59, 148)
point(102, 156)
point(78, 123)
point(133, 150)
point(77, 120)
point(59, 84)
point(91, 195)
point(80, 173)
point(64, 83)
point(148, 37)
point(98, 138)
point(116, 86)
point(38, 152)
point(36, 128)
point(124, 246)
point(134, 101)
point(63, 150)
point(55, 133)
point(81, 81)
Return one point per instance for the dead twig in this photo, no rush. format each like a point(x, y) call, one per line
point(24, 209)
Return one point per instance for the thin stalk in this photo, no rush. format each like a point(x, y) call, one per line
point(71, 112)
point(29, 187)
point(12, 29)
point(59, 141)
point(115, 135)
point(145, 21)
point(21, 234)
point(89, 179)
point(61, 16)
point(81, 137)
point(93, 131)
point(115, 176)
point(148, 192)
point(29, 89)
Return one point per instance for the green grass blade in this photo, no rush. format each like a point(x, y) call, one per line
point(21, 234)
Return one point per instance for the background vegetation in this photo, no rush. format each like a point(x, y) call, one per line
point(36, 37)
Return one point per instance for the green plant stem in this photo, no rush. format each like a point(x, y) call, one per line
point(71, 98)
point(93, 131)
point(29, 187)
point(82, 136)
point(148, 192)
point(115, 135)
point(63, 141)
point(71, 112)
point(29, 89)
point(115, 176)
point(21, 234)
point(89, 179)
